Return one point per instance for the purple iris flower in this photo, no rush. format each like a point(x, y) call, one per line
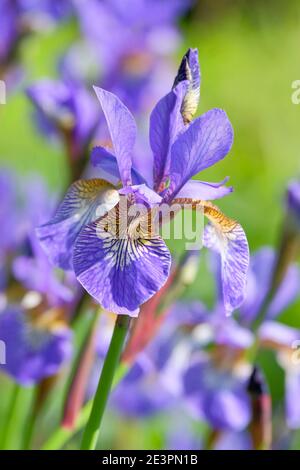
point(32, 350)
point(216, 396)
point(215, 385)
point(139, 25)
point(158, 367)
point(132, 61)
point(66, 109)
point(123, 267)
point(19, 17)
point(273, 334)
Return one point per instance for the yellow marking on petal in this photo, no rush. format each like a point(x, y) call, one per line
point(212, 212)
point(90, 188)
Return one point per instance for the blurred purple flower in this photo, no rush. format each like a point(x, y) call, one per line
point(31, 266)
point(68, 110)
point(158, 367)
point(216, 395)
point(216, 385)
point(20, 17)
point(233, 441)
point(78, 237)
point(32, 351)
point(133, 62)
point(25, 204)
point(144, 30)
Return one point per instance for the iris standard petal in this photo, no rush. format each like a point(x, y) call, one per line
point(85, 201)
point(120, 272)
point(205, 191)
point(165, 124)
point(207, 140)
point(122, 128)
point(108, 164)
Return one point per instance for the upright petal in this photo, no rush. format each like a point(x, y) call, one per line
point(108, 165)
point(207, 140)
point(84, 202)
point(122, 128)
point(121, 273)
point(165, 124)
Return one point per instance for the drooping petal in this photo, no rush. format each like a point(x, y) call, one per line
point(122, 128)
point(121, 272)
point(108, 166)
point(165, 124)
point(227, 237)
point(206, 191)
point(207, 140)
point(189, 70)
point(85, 201)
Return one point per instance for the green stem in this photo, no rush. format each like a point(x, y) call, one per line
point(30, 423)
point(91, 432)
point(9, 429)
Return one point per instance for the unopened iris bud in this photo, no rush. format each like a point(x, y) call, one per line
point(261, 423)
point(189, 71)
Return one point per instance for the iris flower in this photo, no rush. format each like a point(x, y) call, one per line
point(35, 347)
point(215, 385)
point(122, 272)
